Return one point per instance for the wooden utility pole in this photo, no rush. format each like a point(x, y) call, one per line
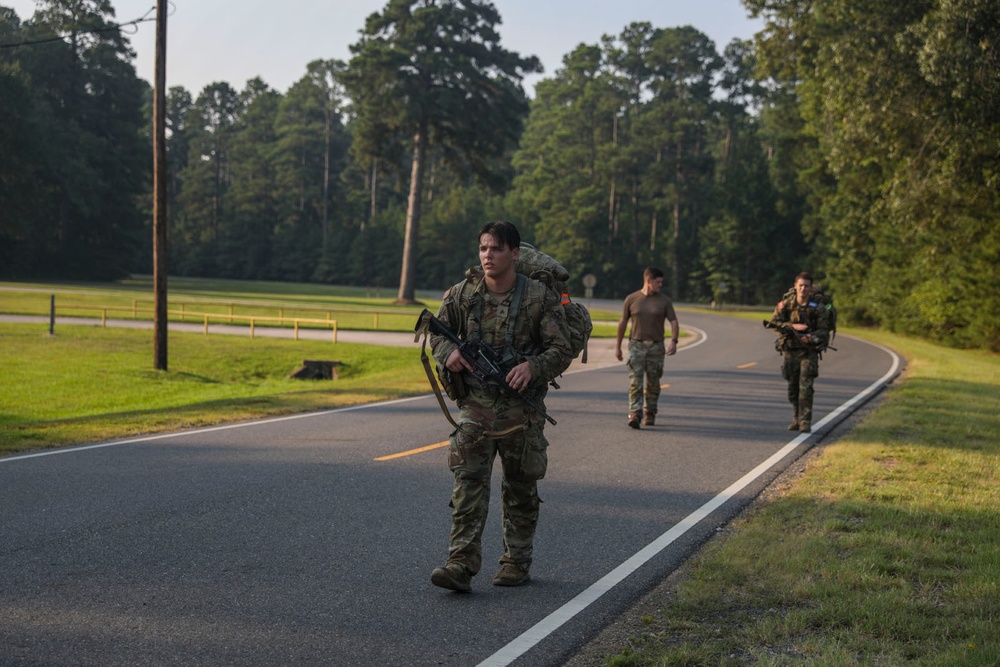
point(160, 192)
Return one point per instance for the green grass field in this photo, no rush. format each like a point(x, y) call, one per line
point(86, 384)
point(229, 301)
point(89, 383)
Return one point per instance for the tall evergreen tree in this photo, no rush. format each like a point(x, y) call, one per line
point(434, 71)
point(211, 122)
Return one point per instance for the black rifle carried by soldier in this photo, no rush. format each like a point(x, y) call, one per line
point(787, 331)
point(485, 362)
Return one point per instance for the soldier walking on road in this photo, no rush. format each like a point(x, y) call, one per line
point(647, 310)
point(802, 323)
point(523, 321)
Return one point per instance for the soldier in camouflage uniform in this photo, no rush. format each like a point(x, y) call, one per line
point(804, 332)
point(534, 342)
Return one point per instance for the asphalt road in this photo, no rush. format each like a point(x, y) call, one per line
point(309, 540)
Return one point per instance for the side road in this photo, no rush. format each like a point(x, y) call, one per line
point(600, 351)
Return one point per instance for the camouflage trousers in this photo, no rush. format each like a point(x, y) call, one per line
point(645, 368)
point(471, 455)
point(800, 369)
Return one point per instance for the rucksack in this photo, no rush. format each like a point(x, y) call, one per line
point(819, 298)
point(541, 267)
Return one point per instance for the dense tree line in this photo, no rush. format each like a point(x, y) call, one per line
point(889, 118)
point(856, 140)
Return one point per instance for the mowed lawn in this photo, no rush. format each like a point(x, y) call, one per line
point(89, 383)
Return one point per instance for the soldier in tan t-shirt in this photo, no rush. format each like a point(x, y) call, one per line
point(647, 310)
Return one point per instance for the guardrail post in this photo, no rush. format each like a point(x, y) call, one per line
point(252, 323)
point(230, 313)
point(335, 331)
point(376, 320)
point(104, 317)
point(135, 309)
point(206, 325)
point(296, 329)
point(52, 315)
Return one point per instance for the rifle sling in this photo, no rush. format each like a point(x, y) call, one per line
point(444, 408)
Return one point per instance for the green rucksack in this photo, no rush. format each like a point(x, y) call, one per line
point(825, 300)
point(541, 267)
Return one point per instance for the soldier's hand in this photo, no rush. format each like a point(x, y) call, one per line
point(671, 348)
point(519, 377)
point(618, 353)
point(457, 363)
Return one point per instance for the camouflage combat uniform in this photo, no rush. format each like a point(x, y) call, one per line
point(801, 361)
point(492, 423)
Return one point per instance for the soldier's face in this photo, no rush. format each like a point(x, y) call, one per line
point(497, 260)
point(802, 289)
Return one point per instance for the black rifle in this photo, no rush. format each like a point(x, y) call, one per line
point(484, 360)
point(785, 328)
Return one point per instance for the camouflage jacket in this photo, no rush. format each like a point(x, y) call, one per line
point(541, 335)
point(789, 311)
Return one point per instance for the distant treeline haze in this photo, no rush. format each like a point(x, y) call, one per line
point(856, 140)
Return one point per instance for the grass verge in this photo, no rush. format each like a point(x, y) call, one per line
point(884, 552)
point(87, 384)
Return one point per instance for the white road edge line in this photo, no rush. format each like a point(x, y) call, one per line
point(209, 429)
point(556, 619)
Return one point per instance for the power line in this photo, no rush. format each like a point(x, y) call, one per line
point(145, 18)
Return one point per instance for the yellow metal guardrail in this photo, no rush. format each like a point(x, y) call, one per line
point(252, 320)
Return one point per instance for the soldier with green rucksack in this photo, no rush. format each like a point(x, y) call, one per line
point(804, 320)
point(516, 324)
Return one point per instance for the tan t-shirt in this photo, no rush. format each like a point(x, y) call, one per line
point(647, 314)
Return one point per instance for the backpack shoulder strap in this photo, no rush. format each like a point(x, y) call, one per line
point(515, 307)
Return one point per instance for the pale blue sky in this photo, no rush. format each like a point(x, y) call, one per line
point(233, 41)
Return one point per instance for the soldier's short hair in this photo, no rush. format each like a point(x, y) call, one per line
point(803, 276)
point(652, 273)
point(504, 232)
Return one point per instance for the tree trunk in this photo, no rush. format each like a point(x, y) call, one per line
point(326, 173)
point(407, 277)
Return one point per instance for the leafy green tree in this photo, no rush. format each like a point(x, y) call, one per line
point(179, 103)
point(900, 100)
point(745, 245)
point(21, 141)
point(563, 185)
point(246, 244)
point(678, 176)
point(434, 71)
point(91, 158)
point(206, 177)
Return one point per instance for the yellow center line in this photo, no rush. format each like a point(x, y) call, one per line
point(413, 451)
point(750, 365)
